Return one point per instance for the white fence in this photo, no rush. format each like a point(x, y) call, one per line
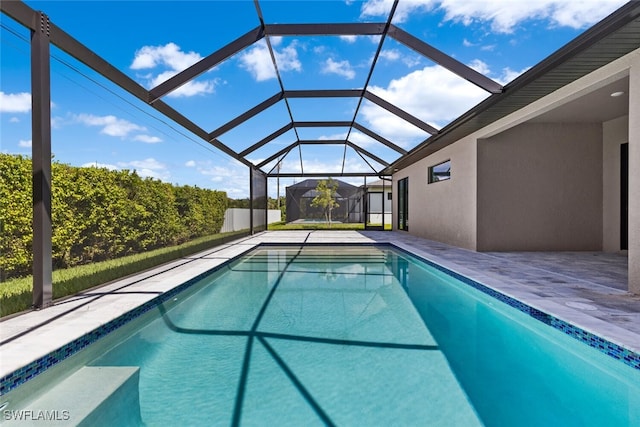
point(236, 219)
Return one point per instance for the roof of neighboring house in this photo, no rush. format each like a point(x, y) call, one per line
point(313, 183)
point(378, 183)
point(308, 186)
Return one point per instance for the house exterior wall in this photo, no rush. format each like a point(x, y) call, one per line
point(595, 225)
point(634, 175)
point(540, 188)
point(614, 134)
point(443, 211)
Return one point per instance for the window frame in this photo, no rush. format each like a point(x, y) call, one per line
point(432, 178)
point(403, 204)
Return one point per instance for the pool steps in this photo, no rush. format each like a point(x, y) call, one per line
point(92, 396)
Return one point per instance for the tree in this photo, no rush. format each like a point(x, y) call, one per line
point(325, 198)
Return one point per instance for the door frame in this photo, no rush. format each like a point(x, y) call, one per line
point(403, 204)
point(624, 196)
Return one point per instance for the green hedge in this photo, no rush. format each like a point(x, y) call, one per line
point(16, 295)
point(99, 214)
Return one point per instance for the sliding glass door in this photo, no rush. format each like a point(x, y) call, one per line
point(403, 204)
point(624, 197)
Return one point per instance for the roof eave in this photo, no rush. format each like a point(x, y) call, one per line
point(486, 112)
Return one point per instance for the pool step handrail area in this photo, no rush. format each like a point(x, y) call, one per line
point(92, 396)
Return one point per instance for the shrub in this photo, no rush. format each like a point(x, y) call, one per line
point(99, 214)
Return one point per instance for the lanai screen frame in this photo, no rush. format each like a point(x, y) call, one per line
point(44, 33)
point(577, 58)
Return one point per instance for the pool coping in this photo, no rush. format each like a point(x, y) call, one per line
point(207, 262)
point(627, 356)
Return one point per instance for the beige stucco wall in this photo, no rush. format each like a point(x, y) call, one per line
point(606, 226)
point(443, 211)
point(540, 188)
point(634, 175)
point(614, 133)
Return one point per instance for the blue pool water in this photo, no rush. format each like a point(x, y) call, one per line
point(362, 336)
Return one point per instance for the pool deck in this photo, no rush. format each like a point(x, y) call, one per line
point(586, 289)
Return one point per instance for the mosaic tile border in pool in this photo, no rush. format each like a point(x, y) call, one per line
point(29, 371)
point(616, 351)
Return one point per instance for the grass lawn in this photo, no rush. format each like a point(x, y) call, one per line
point(315, 226)
point(16, 294)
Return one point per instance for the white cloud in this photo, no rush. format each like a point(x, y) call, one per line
point(111, 125)
point(190, 164)
point(335, 137)
point(393, 55)
point(433, 94)
point(411, 61)
point(381, 8)
point(114, 126)
point(24, 143)
point(57, 122)
point(505, 15)
point(341, 68)
point(147, 139)
point(287, 58)
point(257, 60)
point(100, 165)
point(375, 8)
point(276, 40)
point(315, 165)
point(15, 102)
point(15, 120)
point(173, 60)
point(169, 55)
point(362, 140)
point(502, 15)
point(233, 177)
point(188, 89)
point(147, 168)
point(508, 75)
point(349, 39)
point(390, 54)
point(479, 66)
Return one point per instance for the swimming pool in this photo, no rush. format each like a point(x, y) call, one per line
point(364, 335)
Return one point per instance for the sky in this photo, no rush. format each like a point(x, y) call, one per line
point(97, 124)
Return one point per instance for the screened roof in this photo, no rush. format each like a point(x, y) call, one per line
point(286, 83)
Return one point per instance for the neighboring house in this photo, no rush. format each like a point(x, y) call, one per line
point(377, 203)
point(369, 203)
point(550, 164)
point(300, 195)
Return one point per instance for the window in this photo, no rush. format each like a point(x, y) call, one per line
point(403, 204)
point(389, 196)
point(440, 172)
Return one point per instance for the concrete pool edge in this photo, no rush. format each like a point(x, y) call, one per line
point(12, 379)
point(53, 354)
